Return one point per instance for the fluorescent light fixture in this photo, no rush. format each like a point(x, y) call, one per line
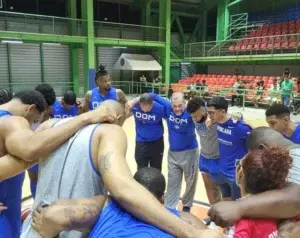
point(119, 47)
point(185, 63)
point(12, 41)
point(50, 43)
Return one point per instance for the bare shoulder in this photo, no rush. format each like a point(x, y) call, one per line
point(110, 131)
point(46, 124)
point(14, 122)
point(88, 95)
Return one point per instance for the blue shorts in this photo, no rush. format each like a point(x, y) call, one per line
point(229, 188)
point(209, 166)
point(34, 169)
point(114, 221)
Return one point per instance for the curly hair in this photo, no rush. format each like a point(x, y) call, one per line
point(30, 97)
point(266, 169)
point(48, 92)
point(195, 104)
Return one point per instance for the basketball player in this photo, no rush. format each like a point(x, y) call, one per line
point(50, 97)
point(209, 161)
point(103, 92)
point(66, 107)
point(232, 135)
point(92, 161)
point(149, 147)
point(113, 220)
point(280, 203)
point(17, 139)
point(278, 118)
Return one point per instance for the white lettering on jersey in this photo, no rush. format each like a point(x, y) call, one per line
point(273, 235)
point(224, 130)
point(62, 116)
point(145, 116)
point(178, 120)
point(95, 104)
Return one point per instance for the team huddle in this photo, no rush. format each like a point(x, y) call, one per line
point(75, 154)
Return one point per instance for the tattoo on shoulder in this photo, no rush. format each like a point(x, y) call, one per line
point(105, 161)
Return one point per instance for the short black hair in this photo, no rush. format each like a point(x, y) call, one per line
point(101, 72)
point(219, 103)
point(69, 97)
point(152, 179)
point(278, 110)
point(146, 98)
point(5, 96)
point(195, 104)
point(32, 97)
point(48, 92)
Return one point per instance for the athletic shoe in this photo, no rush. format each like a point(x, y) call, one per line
point(186, 209)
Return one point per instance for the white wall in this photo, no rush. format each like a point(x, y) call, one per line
point(259, 70)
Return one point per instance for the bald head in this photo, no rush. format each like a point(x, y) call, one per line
point(266, 136)
point(117, 108)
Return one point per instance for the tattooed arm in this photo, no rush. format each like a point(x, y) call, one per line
point(121, 185)
point(67, 214)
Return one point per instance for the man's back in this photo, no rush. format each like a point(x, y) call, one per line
point(68, 172)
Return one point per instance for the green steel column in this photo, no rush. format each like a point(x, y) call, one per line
point(222, 20)
point(89, 48)
point(204, 26)
point(165, 21)
point(42, 63)
point(74, 72)
point(146, 12)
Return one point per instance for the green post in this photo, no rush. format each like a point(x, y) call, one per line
point(148, 13)
point(8, 63)
point(42, 63)
point(204, 26)
point(89, 47)
point(74, 73)
point(165, 21)
point(222, 20)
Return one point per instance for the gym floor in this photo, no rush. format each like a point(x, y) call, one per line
point(254, 116)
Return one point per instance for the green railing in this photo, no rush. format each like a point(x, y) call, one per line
point(23, 22)
point(129, 31)
point(256, 46)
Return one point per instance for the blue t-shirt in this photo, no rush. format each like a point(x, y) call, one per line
point(182, 135)
point(232, 145)
point(149, 126)
point(59, 111)
point(295, 138)
point(114, 221)
point(97, 98)
point(10, 196)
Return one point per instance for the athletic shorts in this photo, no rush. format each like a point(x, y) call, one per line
point(34, 169)
point(209, 166)
point(114, 221)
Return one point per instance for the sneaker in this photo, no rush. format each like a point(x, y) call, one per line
point(186, 209)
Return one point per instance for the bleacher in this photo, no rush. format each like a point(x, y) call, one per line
point(222, 85)
point(280, 33)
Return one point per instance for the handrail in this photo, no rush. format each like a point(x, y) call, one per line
point(126, 24)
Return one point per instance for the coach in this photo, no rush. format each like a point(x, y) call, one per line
point(149, 146)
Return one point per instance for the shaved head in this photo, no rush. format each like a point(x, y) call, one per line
point(266, 136)
point(115, 107)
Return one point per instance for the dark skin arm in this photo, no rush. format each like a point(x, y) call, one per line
point(87, 98)
point(67, 214)
point(279, 204)
point(193, 220)
point(123, 100)
point(22, 142)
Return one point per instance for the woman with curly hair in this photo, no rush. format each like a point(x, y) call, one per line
point(261, 171)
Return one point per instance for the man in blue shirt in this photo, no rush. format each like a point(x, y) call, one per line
point(113, 220)
point(50, 97)
point(183, 152)
point(103, 91)
point(232, 136)
point(278, 118)
point(149, 146)
point(66, 107)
